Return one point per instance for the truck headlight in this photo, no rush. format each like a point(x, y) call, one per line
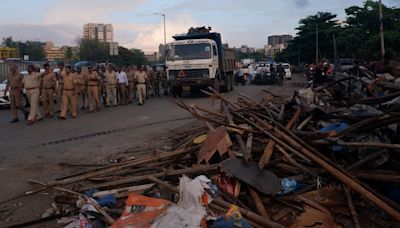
point(206, 75)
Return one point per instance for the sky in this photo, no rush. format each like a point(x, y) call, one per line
point(135, 25)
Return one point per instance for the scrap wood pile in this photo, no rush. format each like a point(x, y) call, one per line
point(311, 160)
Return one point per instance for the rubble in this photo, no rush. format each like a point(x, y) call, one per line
point(326, 157)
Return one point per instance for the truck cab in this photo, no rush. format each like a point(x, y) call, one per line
point(197, 60)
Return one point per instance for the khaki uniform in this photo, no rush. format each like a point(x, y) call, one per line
point(93, 90)
point(15, 83)
point(31, 84)
point(131, 86)
point(141, 78)
point(156, 83)
point(81, 90)
point(69, 96)
point(111, 89)
point(47, 94)
point(60, 80)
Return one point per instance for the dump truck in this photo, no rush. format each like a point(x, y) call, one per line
point(197, 60)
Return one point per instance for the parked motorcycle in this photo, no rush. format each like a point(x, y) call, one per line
point(241, 78)
point(266, 78)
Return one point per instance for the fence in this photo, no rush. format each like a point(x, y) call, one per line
point(5, 69)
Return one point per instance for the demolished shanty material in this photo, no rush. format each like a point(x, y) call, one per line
point(319, 158)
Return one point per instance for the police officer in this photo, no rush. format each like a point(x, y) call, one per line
point(281, 72)
point(141, 79)
point(60, 84)
point(14, 85)
point(81, 89)
point(93, 89)
point(156, 83)
point(47, 90)
point(131, 85)
point(111, 83)
point(31, 83)
point(69, 94)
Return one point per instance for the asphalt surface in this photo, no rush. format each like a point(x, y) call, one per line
point(34, 152)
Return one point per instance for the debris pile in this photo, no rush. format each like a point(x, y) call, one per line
point(325, 157)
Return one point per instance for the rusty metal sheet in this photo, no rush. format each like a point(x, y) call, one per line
point(262, 180)
point(313, 217)
point(217, 140)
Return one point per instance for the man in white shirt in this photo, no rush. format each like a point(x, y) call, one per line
point(122, 81)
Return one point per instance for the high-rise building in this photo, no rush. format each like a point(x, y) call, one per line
point(276, 44)
point(274, 40)
point(101, 32)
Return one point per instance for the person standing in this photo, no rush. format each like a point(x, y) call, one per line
point(31, 83)
point(93, 89)
point(156, 83)
point(281, 72)
point(111, 90)
point(60, 84)
point(131, 84)
point(14, 85)
point(122, 81)
point(141, 79)
point(81, 89)
point(47, 94)
point(69, 94)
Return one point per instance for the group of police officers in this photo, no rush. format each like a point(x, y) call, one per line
point(74, 90)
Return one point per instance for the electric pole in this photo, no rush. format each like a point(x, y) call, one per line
point(381, 31)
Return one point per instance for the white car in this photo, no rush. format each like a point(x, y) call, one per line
point(288, 71)
point(4, 100)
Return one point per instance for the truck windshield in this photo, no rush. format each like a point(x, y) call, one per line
point(189, 51)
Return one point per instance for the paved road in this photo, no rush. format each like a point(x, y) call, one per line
point(33, 152)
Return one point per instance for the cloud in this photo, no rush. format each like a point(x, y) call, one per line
point(60, 34)
point(85, 11)
point(301, 3)
point(150, 36)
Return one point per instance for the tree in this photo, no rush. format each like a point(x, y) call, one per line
point(128, 57)
point(93, 50)
point(8, 42)
point(34, 49)
point(303, 46)
point(360, 38)
point(69, 55)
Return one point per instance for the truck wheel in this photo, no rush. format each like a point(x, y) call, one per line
point(228, 83)
point(217, 85)
point(176, 91)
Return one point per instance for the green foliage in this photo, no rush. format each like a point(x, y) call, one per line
point(94, 50)
point(128, 57)
point(32, 48)
point(304, 44)
point(358, 39)
point(69, 55)
point(8, 42)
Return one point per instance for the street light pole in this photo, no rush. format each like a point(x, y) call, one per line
point(165, 30)
point(381, 32)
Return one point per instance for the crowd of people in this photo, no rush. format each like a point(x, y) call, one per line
point(72, 90)
point(319, 72)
